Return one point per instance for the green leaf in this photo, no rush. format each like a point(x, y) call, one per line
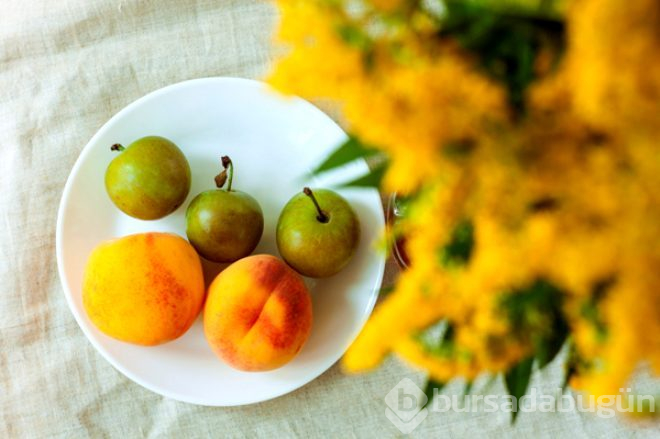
point(438, 339)
point(505, 40)
point(570, 368)
point(548, 347)
point(573, 363)
point(517, 380)
point(429, 390)
point(466, 392)
point(536, 314)
point(350, 150)
point(459, 248)
point(590, 307)
point(354, 36)
point(384, 291)
point(468, 388)
point(371, 179)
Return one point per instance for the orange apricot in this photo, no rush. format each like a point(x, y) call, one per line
point(145, 289)
point(258, 314)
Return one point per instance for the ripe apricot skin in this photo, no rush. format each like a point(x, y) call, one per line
point(144, 289)
point(258, 314)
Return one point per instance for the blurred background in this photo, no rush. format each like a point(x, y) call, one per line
point(65, 68)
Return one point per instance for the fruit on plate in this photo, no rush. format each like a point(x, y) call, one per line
point(145, 289)
point(258, 314)
point(149, 179)
point(318, 232)
point(224, 225)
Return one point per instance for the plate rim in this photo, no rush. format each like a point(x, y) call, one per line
point(86, 150)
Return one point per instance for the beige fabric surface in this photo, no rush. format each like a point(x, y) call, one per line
point(65, 68)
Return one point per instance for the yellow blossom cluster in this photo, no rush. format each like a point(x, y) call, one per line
point(567, 192)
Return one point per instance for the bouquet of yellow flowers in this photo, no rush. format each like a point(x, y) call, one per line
point(522, 137)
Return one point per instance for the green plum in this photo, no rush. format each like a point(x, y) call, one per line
point(149, 179)
point(224, 225)
point(318, 232)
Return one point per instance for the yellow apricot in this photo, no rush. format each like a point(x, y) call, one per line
point(145, 289)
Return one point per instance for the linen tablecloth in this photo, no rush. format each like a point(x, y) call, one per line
point(65, 68)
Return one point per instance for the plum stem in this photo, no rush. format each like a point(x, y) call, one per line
point(229, 166)
point(117, 147)
point(221, 178)
point(322, 216)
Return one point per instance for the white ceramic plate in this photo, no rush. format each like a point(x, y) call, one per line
point(274, 142)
